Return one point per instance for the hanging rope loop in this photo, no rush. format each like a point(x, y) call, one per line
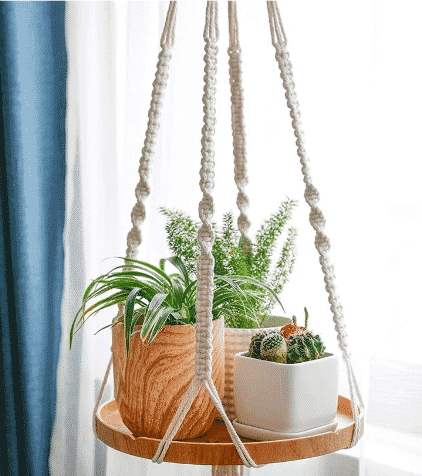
point(205, 265)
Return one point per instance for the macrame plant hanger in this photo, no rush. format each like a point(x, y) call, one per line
point(205, 265)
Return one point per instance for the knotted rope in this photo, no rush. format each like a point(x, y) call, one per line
point(316, 216)
point(142, 191)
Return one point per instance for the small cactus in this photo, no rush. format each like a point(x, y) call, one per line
point(255, 345)
point(302, 345)
point(302, 348)
point(274, 348)
point(292, 345)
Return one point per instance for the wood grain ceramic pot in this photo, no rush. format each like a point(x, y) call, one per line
point(151, 382)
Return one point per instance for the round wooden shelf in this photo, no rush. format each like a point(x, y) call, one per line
point(216, 447)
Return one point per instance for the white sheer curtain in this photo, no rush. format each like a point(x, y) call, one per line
point(358, 76)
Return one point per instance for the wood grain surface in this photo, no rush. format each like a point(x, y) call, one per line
point(151, 382)
point(216, 447)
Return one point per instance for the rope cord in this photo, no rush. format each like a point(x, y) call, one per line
point(142, 191)
point(238, 127)
point(97, 403)
point(205, 274)
point(316, 217)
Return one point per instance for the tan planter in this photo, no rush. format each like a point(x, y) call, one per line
point(151, 382)
point(238, 340)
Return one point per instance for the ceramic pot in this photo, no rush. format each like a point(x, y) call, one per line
point(238, 340)
point(151, 382)
point(286, 398)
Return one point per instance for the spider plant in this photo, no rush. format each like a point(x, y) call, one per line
point(154, 298)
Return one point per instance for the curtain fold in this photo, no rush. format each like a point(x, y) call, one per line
point(33, 67)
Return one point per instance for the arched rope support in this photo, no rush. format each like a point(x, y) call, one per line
point(316, 216)
point(142, 191)
point(238, 126)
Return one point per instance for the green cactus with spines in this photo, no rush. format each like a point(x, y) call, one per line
point(274, 348)
point(304, 346)
point(255, 345)
point(301, 348)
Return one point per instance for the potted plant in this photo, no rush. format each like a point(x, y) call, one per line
point(231, 259)
point(154, 341)
point(297, 390)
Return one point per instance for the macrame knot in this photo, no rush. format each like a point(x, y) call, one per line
point(206, 234)
point(282, 54)
point(234, 50)
point(317, 218)
point(322, 242)
point(142, 190)
point(165, 51)
point(212, 50)
point(243, 222)
point(203, 351)
point(311, 194)
point(206, 208)
point(242, 202)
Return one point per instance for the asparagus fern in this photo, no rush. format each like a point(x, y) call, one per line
point(229, 254)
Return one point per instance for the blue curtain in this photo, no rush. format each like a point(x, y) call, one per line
point(33, 68)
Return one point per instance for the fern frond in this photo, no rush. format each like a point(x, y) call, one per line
point(182, 233)
point(283, 267)
point(266, 237)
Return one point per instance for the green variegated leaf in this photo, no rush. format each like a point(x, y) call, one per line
point(160, 319)
point(177, 294)
point(178, 263)
point(151, 312)
point(128, 320)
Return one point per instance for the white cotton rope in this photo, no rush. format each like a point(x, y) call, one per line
point(238, 127)
point(142, 190)
point(316, 217)
point(97, 403)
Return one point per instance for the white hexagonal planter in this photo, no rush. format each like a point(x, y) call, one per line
point(285, 400)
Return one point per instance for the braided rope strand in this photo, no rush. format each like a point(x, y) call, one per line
point(238, 127)
point(205, 265)
point(205, 275)
point(316, 217)
point(142, 191)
